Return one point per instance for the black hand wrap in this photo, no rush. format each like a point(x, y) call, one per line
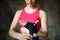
point(31, 27)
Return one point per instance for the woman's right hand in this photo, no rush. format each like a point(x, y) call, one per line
point(24, 36)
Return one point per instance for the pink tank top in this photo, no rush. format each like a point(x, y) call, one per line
point(31, 17)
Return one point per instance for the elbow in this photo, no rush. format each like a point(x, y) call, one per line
point(10, 33)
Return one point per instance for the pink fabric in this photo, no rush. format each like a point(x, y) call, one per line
point(31, 17)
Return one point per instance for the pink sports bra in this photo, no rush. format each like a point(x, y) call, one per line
point(31, 17)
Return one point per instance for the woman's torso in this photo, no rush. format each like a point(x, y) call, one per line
point(33, 17)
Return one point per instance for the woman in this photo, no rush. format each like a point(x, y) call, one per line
point(32, 14)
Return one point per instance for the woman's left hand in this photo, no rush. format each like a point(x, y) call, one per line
point(21, 22)
point(34, 35)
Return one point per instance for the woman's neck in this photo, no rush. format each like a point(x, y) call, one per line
point(30, 7)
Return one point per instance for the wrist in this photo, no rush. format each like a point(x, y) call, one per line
point(42, 34)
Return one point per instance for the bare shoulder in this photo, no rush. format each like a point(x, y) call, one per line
point(18, 12)
point(42, 13)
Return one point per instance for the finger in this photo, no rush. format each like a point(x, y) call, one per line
point(28, 35)
point(23, 39)
point(34, 35)
point(36, 21)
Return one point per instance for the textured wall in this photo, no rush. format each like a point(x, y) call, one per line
point(9, 7)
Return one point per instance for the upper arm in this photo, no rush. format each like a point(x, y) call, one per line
point(43, 20)
point(15, 20)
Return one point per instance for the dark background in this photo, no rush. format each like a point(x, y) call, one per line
point(9, 7)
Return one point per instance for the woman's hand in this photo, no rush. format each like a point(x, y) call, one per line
point(35, 35)
point(25, 33)
point(24, 36)
point(21, 22)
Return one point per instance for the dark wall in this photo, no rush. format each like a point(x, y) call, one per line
point(5, 19)
point(9, 7)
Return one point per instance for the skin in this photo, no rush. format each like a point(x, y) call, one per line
point(24, 35)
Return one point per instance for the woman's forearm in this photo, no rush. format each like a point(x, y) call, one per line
point(42, 34)
point(14, 34)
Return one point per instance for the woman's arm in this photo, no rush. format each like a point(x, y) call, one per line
point(13, 26)
point(43, 31)
point(13, 33)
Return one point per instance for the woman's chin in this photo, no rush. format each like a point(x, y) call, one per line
point(31, 5)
